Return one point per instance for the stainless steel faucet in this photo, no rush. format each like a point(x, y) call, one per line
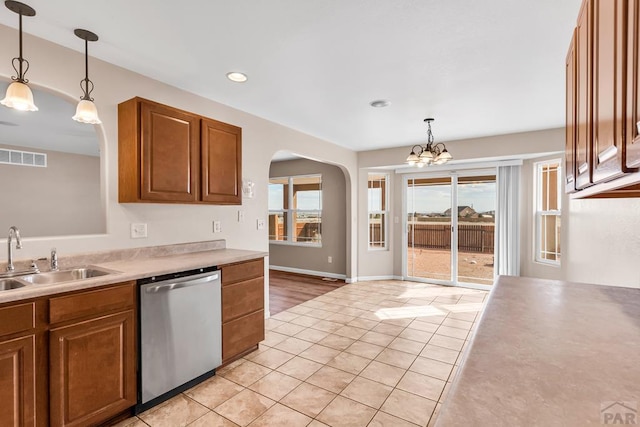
point(54, 259)
point(13, 232)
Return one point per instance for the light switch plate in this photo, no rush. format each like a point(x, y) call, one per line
point(138, 230)
point(260, 224)
point(240, 216)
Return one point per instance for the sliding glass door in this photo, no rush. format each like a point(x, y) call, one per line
point(450, 225)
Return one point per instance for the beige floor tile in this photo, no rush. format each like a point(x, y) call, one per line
point(327, 326)
point(455, 323)
point(440, 353)
point(447, 342)
point(261, 349)
point(234, 364)
point(370, 393)
point(408, 346)
point(421, 325)
point(468, 316)
point(445, 392)
point(281, 416)
point(320, 353)
point(436, 320)
point(349, 363)
point(409, 407)
point(312, 335)
point(285, 316)
point(432, 368)
point(398, 322)
point(364, 349)
point(416, 335)
point(351, 332)
point(337, 342)
point(272, 358)
point(363, 323)
point(294, 345)
point(300, 368)
point(340, 318)
point(434, 417)
point(449, 331)
point(383, 373)
point(422, 385)
point(331, 379)
point(244, 407)
point(353, 311)
point(272, 338)
point(289, 329)
point(377, 338)
point(176, 412)
point(211, 419)
point(396, 358)
point(308, 399)
point(385, 420)
point(131, 422)
point(271, 323)
point(299, 309)
point(275, 385)
point(319, 314)
point(214, 391)
point(345, 412)
point(316, 423)
point(387, 329)
point(247, 373)
point(305, 321)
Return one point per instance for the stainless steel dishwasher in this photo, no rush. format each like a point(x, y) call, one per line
point(180, 333)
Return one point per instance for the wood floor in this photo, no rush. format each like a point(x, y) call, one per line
point(289, 289)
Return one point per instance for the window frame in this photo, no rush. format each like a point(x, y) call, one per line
point(385, 213)
point(290, 213)
point(539, 213)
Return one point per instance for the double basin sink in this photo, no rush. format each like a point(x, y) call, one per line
point(53, 277)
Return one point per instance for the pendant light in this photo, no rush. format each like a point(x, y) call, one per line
point(429, 154)
point(86, 112)
point(18, 94)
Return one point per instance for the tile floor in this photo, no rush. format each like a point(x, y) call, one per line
point(368, 354)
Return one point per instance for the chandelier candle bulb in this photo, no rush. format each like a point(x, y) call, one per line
point(429, 154)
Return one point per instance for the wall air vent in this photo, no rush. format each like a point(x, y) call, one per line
point(23, 158)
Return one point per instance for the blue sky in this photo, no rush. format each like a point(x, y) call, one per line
point(437, 198)
point(307, 200)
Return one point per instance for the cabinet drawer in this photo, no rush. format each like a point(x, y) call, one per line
point(242, 271)
point(242, 298)
point(91, 303)
point(242, 334)
point(17, 318)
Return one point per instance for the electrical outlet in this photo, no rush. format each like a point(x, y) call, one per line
point(260, 224)
point(217, 227)
point(240, 216)
point(138, 230)
point(329, 259)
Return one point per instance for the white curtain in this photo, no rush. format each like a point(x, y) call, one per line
point(508, 221)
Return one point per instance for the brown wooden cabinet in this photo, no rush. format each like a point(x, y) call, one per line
point(92, 355)
point(18, 368)
point(167, 155)
point(633, 86)
point(242, 308)
point(602, 143)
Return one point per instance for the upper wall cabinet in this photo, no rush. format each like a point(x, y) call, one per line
point(168, 155)
point(602, 146)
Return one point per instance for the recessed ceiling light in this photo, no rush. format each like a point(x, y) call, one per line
point(379, 103)
point(237, 77)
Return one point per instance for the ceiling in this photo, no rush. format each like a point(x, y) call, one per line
point(479, 67)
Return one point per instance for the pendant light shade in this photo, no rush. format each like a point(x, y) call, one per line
point(430, 153)
point(86, 112)
point(19, 96)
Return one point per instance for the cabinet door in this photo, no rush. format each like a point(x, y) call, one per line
point(242, 334)
point(221, 162)
point(609, 24)
point(17, 382)
point(583, 97)
point(570, 137)
point(170, 154)
point(633, 86)
point(92, 370)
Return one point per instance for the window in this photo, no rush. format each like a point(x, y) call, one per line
point(548, 211)
point(377, 195)
point(295, 210)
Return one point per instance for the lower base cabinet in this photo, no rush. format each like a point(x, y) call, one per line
point(17, 381)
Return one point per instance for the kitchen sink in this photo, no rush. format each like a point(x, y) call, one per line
point(51, 277)
point(7, 284)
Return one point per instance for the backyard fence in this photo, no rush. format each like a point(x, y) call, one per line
point(471, 237)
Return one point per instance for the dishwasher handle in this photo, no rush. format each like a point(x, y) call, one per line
point(179, 285)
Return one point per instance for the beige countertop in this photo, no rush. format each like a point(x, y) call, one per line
point(550, 353)
point(137, 268)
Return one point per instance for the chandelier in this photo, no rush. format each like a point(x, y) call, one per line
point(429, 154)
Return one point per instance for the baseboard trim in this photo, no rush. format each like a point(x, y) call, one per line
point(374, 278)
point(308, 272)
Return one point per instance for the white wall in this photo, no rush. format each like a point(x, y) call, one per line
point(59, 70)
